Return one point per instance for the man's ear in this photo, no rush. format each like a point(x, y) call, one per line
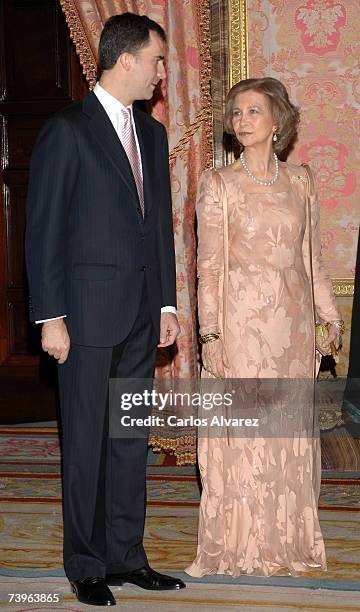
point(126, 61)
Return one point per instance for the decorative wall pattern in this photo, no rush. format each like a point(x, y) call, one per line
point(313, 47)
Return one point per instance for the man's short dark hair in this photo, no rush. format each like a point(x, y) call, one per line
point(125, 33)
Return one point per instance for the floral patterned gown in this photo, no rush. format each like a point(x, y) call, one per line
point(258, 511)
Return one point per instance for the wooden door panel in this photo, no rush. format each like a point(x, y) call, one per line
point(18, 327)
point(39, 74)
point(21, 132)
point(39, 51)
point(15, 188)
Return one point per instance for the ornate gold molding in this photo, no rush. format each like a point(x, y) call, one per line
point(205, 82)
point(238, 41)
point(343, 286)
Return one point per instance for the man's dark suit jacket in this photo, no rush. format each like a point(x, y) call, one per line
point(352, 391)
point(87, 244)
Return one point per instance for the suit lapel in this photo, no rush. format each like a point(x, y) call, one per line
point(103, 131)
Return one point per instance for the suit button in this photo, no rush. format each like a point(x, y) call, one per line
point(139, 210)
point(143, 268)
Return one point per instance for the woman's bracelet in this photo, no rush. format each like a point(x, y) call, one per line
point(209, 337)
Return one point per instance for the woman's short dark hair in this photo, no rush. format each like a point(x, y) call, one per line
point(125, 33)
point(286, 115)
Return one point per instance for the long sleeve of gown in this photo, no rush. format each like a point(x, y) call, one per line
point(210, 261)
point(325, 303)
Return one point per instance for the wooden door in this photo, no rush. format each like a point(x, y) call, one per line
point(39, 74)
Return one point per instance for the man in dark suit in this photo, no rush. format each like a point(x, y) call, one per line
point(101, 268)
point(351, 404)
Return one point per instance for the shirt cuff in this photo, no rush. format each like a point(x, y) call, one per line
point(169, 309)
point(53, 319)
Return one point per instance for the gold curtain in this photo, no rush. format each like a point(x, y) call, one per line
point(186, 113)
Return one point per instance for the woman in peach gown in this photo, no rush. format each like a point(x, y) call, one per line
point(260, 291)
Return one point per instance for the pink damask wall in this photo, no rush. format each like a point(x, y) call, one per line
point(313, 47)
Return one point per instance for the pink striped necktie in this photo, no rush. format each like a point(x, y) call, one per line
point(129, 144)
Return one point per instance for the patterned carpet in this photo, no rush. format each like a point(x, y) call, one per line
point(340, 449)
point(31, 535)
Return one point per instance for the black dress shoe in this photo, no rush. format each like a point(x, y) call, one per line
point(93, 591)
point(146, 578)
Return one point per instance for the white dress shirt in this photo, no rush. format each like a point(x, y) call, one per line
point(113, 108)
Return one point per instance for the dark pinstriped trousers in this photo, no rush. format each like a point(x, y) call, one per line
point(104, 486)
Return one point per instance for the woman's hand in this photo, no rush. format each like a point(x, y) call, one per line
point(332, 342)
point(334, 336)
point(214, 358)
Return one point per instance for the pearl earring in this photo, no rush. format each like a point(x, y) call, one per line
point(274, 137)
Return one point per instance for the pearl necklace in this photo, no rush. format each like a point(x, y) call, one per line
point(261, 181)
